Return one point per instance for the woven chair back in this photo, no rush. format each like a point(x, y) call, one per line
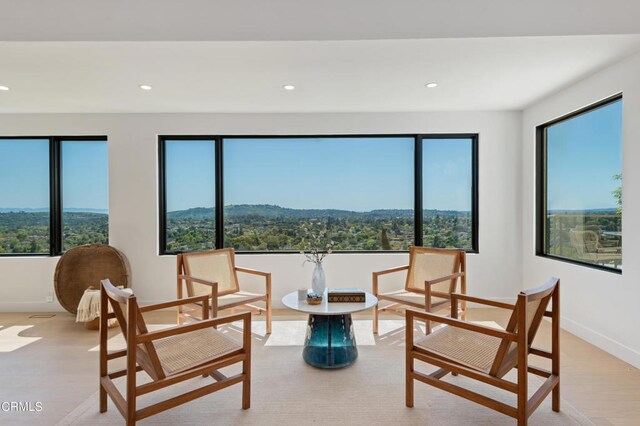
point(122, 304)
point(535, 302)
point(215, 266)
point(428, 264)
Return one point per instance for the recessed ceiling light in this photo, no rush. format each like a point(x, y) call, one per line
point(289, 87)
point(4, 88)
point(431, 85)
point(145, 87)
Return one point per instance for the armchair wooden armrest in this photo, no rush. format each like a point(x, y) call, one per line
point(267, 283)
point(266, 275)
point(195, 299)
point(391, 270)
point(214, 294)
point(385, 272)
point(441, 279)
point(197, 280)
point(252, 271)
point(460, 296)
point(411, 315)
point(187, 328)
point(214, 285)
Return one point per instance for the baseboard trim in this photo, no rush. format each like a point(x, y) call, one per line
point(31, 307)
point(603, 342)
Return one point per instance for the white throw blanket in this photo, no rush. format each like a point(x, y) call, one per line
point(89, 306)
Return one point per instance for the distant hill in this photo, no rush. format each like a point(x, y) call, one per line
point(194, 213)
point(23, 209)
point(272, 211)
point(611, 210)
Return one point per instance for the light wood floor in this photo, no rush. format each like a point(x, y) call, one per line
point(49, 360)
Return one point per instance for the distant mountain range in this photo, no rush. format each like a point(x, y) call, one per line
point(611, 210)
point(46, 209)
point(272, 211)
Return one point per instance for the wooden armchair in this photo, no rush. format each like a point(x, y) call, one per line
point(168, 356)
point(432, 275)
point(214, 273)
point(590, 249)
point(487, 354)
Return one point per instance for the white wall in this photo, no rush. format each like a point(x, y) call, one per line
point(133, 222)
point(598, 306)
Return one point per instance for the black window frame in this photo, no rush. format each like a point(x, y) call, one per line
point(419, 185)
point(541, 184)
point(219, 184)
point(55, 190)
point(162, 187)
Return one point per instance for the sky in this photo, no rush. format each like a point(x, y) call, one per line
point(359, 174)
point(190, 176)
point(24, 174)
point(85, 175)
point(446, 171)
point(583, 155)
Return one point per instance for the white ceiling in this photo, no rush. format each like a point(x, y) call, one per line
point(330, 76)
point(260, 20)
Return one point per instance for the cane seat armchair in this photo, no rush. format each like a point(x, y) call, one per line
point(168, 356)
point(590, 248)
point(215, 273)
point(432, 275)
point(487, 354)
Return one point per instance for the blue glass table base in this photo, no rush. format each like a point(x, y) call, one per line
point(330, 341)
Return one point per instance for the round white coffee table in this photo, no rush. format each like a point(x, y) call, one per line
point(330, 341)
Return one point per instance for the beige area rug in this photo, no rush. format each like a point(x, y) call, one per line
point(287, 391)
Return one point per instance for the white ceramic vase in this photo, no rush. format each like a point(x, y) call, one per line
point(318, 280)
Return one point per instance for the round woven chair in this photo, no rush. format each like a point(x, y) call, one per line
point(82, 267)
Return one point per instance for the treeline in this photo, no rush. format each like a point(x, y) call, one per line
point(194, 229)
point(28, 232)
point(271, 228)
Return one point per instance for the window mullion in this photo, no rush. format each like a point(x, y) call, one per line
point(55, 197)
point(418, 213)
point(219, 195)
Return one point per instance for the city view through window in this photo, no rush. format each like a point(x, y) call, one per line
point(360, 189)
point(24, 196)
point(25, 204)
point(583, 218)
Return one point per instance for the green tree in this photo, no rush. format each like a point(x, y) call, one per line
point(384, 239)
point(617, 193)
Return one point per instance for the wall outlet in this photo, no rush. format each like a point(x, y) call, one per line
point(49, 298)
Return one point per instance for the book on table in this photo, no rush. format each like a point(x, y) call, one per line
point(346, 295)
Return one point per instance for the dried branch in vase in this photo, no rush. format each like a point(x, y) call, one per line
point(317, 244)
